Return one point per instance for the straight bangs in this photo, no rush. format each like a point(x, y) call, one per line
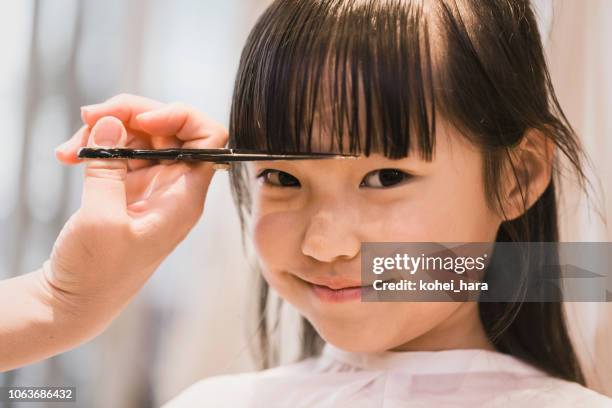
point(336, 76)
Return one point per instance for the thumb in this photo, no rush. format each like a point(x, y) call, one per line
point(104, 187)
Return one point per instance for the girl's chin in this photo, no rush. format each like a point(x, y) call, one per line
point(352, 337)
point(357, 345)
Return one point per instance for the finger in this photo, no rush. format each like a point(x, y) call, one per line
point(180, 120)
point(139, 142)
point(163, 142)
point(215, 141)
point(67, 151)
point(175, 122)
point(124, 107)
point(104, 186)
point(184, 123)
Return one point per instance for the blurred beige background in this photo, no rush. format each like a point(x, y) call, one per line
point(190, 321)
point(580, 61)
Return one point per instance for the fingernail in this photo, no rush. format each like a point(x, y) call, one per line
point(63, 146)
point(144, 116)
point(107, 133)
point(84, 113)
point(89, 108)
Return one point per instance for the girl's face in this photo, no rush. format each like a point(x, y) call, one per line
point(310, 217)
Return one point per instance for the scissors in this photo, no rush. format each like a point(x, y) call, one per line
point(221, 157)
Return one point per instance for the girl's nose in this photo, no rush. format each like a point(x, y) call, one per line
point(330, 236)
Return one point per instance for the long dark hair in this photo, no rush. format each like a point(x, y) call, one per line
point(380, 72)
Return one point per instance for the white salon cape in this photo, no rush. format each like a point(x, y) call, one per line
point(337, 378)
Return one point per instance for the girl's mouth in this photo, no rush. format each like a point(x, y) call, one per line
point(328, 294)
point(343, 290)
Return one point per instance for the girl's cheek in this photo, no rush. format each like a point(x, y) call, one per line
point(276, 238)
point(413, 219)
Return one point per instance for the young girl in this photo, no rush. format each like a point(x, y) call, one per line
point(450, 105)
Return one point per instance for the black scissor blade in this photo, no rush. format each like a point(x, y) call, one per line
point(213, 155)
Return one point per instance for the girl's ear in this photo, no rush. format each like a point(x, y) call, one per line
point(528, 173)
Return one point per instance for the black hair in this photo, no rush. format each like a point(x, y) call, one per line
point(381, 72)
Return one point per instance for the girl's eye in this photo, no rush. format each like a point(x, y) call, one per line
point(384, 178)
point(278, 178)
point(376, 179)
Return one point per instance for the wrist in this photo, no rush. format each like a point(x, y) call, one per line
point(70, 316)
point(35, 325)
point(88, 311)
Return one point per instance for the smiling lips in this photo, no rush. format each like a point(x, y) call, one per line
point(337, 290)
point(328, 294)
point(337, 284)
